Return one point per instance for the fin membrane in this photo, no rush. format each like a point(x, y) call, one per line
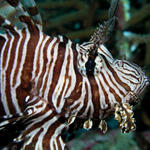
point(13, 9)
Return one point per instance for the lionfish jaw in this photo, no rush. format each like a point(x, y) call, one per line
point(145, 81)
point(124, 112)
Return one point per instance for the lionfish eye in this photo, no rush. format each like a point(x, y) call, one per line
point(90, 65)
point(120, 63)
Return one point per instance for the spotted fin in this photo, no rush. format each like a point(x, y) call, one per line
point(20, 14)
point(30, 7)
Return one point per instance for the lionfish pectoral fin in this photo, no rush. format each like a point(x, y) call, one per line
point(30, 7)
point(124, 115)
point(33, 141)
point(35, 105)
point(43, 128)
point(10, 119)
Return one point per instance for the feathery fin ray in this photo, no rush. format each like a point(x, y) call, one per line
point(13, 10)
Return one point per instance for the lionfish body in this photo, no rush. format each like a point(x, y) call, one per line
point(47, 82)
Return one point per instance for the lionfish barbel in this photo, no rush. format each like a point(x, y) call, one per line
point(47, 83)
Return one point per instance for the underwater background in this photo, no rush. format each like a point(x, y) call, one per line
point(130, 39)
point(78, 19)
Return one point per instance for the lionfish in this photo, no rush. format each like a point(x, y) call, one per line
point(50, 83)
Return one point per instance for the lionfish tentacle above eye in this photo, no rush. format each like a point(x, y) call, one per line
point(50, 85)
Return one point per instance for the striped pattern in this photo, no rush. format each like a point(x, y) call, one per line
point(44, 82)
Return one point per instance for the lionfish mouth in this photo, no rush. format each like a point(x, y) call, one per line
point(138, 93)
point(145, 81)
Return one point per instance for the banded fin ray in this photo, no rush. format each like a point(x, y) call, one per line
point(14, 10)
point(43, 128)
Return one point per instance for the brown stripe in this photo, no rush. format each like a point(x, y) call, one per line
point(38, 59)
point(116, 76)
point(13, 3)
point(32, 27)
point(95, 96)
point(20, 51)
point(85, 102)
point(38, 124)
point(11, 29)
point(8, 73)
point(33, 11)
point(66, 77)
point(26, 75)
point(49, 67)
point(75, 107)
point(5, 54)
point(58, 143)
point(50, 132)
point(128, 74)
point(57, 67)
point(54, 147)
point(105, 94)
point(115, 85)
point(34, 140)
point(75, 95)
point(21, 94)
point(28, 65)
point(45, 60)
point(111, 89)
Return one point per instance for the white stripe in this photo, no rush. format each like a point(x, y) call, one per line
point(36, 54)
point(35, 131)
point(49, 58)
point(80, 100)
point(112, 85)
point(41, 60)
point(46, 126)
point(62, 99)
point(39, 119)
point(24, 53)
point(61, 142)
point(3, 96)
point(50, 73)
point(90, 103)
point(114, 80)
point(13, 89)
point(3, 84)
point(71, 71)
point(127, 75)
point(101, 93)
point(61, 81)
point(56, 134)
point(111, 97)
point(18, 79)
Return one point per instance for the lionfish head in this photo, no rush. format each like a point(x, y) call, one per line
point(121, 81)
point(133, 77)
point(129, 76)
